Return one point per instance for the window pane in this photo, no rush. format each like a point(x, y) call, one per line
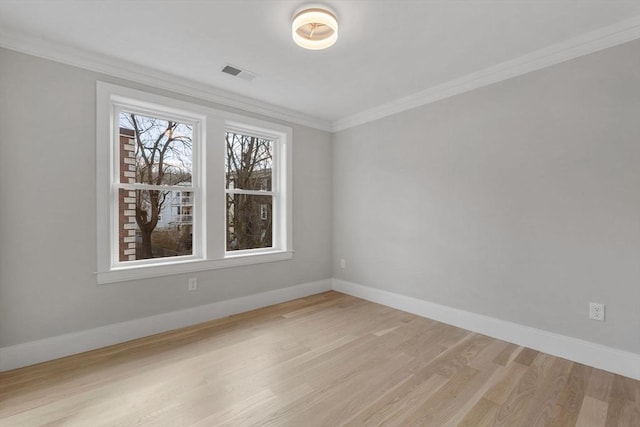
point(249, 222)
point(154, 224)
point(155, 151)
point(249, 161)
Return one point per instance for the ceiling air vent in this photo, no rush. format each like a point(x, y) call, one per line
point(239, 72)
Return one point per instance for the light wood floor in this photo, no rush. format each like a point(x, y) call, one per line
point(329, 360)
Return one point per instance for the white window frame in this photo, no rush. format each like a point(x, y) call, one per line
point(121, 104)
point(277, 178)
point(209, 244)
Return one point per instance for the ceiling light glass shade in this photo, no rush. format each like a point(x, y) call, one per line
point(314, 28)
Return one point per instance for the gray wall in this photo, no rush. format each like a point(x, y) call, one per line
point(48, 214)
point(520, 200)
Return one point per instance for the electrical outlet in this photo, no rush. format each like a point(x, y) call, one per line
point(193, 284)
point(596, 311)
point(343, 263)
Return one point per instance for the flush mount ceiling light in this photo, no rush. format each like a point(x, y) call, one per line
point(314, 27)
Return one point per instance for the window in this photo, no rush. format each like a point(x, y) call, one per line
point(155, 163)
point(164, 168)
point(249, 171)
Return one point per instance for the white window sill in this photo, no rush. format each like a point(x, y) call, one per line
point(124, 274)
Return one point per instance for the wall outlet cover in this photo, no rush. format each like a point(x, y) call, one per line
point(596, 311)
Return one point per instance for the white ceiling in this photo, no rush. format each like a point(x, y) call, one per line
point(386, 49)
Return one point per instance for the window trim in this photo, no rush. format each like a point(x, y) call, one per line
point(212, 252)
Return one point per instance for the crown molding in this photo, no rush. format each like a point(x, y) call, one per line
point(584, 44)
point(151, 77)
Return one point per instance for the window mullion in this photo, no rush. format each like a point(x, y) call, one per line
point(250, 192)
point(127, 186)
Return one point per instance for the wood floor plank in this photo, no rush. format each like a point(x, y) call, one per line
point(546, 395)
point(323, 360)
point(470, 371)
point(505, 355)
point(526, 356)
point(599, 385)
point(624, 403)
point(512, 412)
point(593, 413)
point(333, 404)
point(460, 358)
point(500, 391)
point(485, 363)
point(567, 407)
point(440, 407)
point(482, 414)
point(398, 400)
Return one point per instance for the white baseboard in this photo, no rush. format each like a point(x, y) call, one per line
point(585, 352)
point(33, 352)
